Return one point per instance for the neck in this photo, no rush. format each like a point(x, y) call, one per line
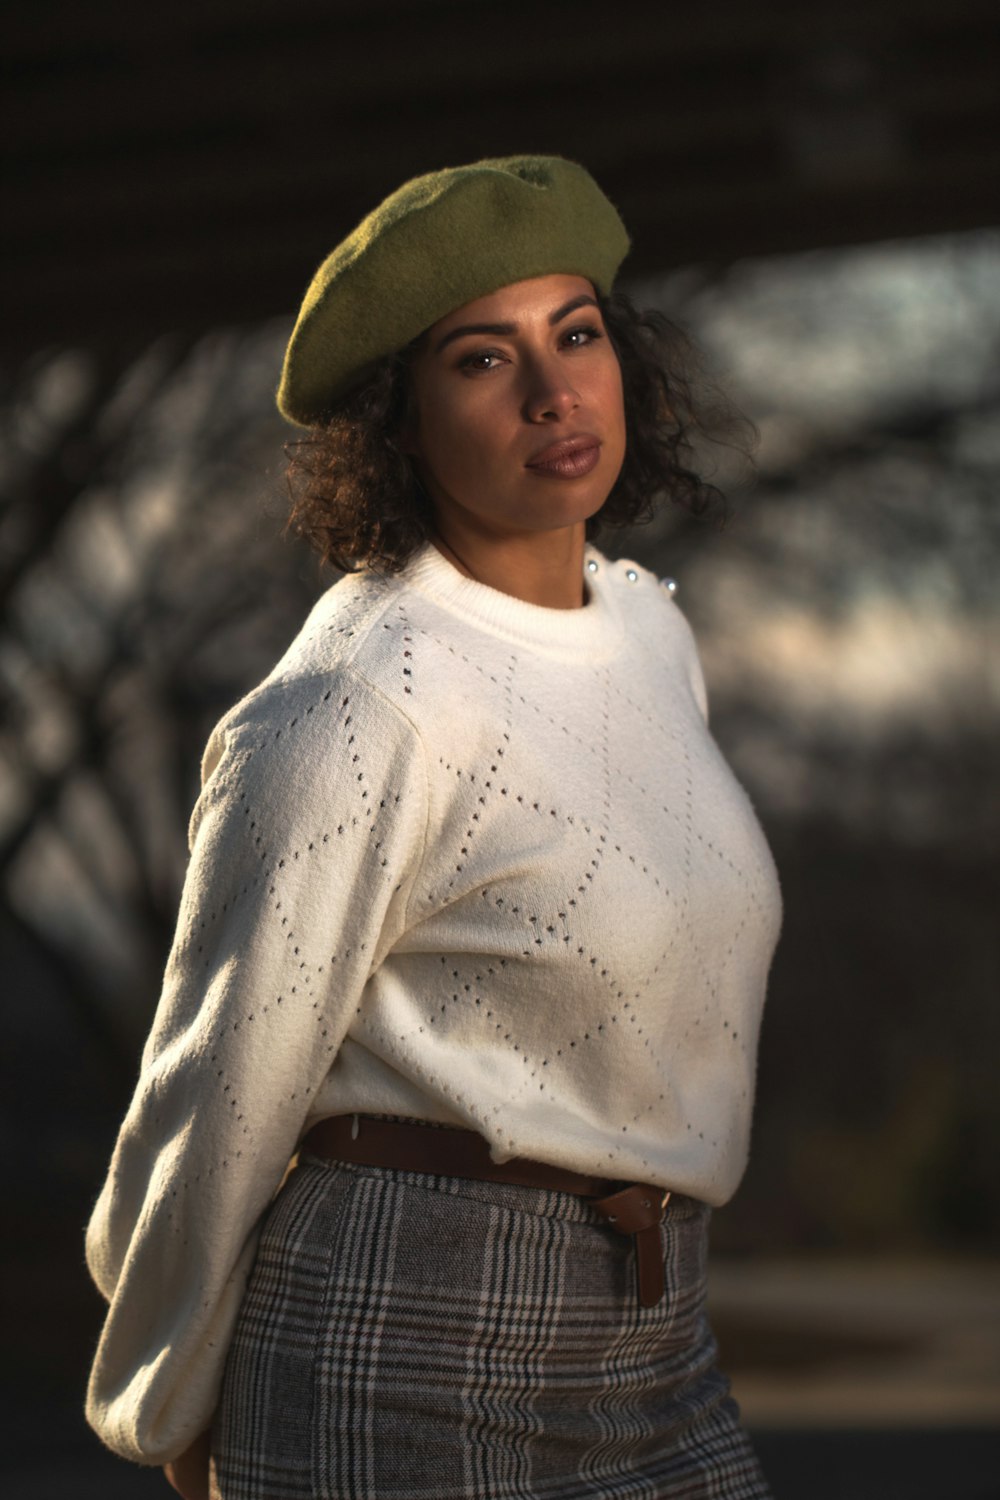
point(543, 568)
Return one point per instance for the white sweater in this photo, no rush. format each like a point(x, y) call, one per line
point(460, 858)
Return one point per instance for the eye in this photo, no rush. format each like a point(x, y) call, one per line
point(583, 334)
point(481, 361)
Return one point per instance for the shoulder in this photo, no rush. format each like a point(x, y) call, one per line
point(640, 593)
point(628, 578)
point(656, 622)
point(320, 719)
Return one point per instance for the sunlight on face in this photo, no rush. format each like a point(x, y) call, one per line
point(519, 420)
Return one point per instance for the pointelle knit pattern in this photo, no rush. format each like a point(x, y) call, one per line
point(460, 858)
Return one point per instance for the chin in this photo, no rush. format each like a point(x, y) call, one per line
point(568, 507)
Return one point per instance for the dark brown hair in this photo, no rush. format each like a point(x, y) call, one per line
point(356, 499)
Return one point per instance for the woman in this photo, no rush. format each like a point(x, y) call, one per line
point(476, 918)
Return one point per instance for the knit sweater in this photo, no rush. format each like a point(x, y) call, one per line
point(461, 858)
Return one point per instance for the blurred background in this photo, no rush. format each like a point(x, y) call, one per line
point(815, 195)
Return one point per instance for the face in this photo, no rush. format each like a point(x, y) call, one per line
point(518, 422)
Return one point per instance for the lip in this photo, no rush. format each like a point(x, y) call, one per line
point(569, 457)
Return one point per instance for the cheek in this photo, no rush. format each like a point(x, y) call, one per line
point(432, 434)
point(460, 441)
point(619, 387)
point(451, 459)
point(614, 405)
point(606, 389)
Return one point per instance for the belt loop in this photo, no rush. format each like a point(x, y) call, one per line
point(638, 1211)
point(355, 1127)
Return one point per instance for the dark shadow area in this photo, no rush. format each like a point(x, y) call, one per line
point(907, 1464)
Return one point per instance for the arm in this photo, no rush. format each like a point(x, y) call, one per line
point(304, 845)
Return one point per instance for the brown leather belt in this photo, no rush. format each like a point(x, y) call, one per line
point(364, 1141)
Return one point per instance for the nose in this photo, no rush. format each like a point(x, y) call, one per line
point(550, 394)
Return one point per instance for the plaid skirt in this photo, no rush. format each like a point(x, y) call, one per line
point(415, 1337)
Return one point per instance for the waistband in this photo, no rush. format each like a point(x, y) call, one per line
point(634, 1209)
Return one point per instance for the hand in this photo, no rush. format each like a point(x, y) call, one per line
point(189, 1473)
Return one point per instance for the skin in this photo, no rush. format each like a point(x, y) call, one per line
point(189, 1474)
point(488, 406)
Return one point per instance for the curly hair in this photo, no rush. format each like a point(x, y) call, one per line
point(356, 498)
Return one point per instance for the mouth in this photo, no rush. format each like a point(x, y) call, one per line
point(569, 458)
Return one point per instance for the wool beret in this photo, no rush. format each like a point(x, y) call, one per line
point(440, 241)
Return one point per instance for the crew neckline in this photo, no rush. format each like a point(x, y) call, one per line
point(595, 629)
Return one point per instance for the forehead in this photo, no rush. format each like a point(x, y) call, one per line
point(520, 301)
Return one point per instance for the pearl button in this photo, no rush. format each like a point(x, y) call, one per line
point(631, 575)
point(591, 566)
point(670, 584)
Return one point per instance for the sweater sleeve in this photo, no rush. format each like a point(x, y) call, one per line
point(304, 844)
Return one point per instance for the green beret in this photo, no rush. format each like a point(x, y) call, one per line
point(436, 243)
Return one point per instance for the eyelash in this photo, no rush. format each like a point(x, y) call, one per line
point(469, 362)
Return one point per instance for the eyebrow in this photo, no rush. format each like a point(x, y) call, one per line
point(507, 330)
